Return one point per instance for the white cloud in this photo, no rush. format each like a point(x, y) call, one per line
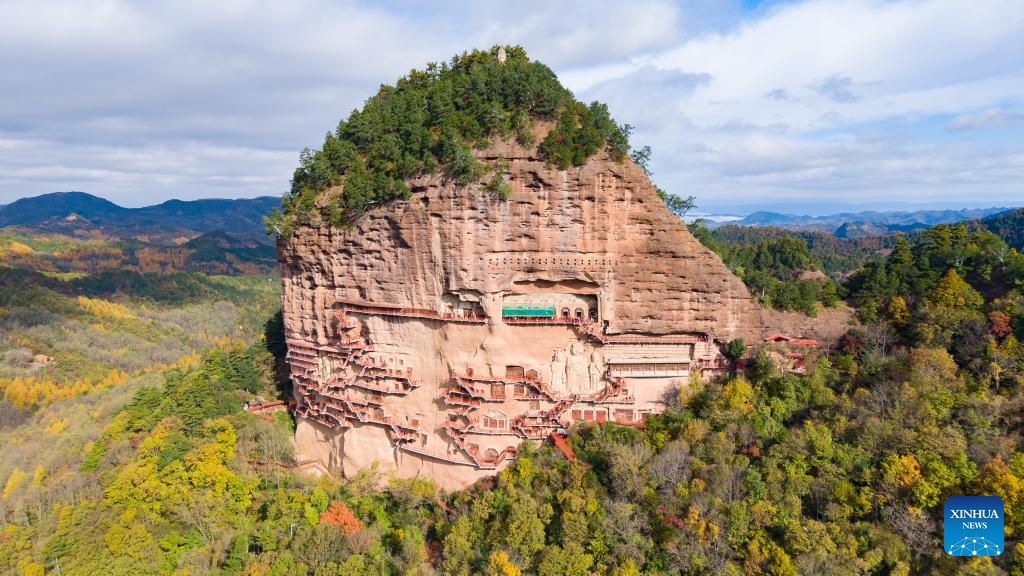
point(575, 33)
point(801, 100)
point(791, 97)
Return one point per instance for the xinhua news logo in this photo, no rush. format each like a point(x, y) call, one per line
point(973, 526)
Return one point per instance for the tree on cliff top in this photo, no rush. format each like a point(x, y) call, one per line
point(430, 120)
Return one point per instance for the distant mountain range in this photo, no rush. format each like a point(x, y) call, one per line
point(867, 223)
point(174, 221)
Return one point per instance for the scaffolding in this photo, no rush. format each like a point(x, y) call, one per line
point(325, 398)
point(328, 393)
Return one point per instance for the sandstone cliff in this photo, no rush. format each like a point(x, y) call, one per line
point(403, 340)
point(599, 223)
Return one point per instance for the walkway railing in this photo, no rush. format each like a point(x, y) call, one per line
point(384, 309)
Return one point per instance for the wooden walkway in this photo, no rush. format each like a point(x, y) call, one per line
point(384, 309)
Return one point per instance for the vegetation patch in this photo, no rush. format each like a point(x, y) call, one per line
point(779, 270)
point(431, 120)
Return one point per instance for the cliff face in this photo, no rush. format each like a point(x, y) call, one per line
point(600, 223)
point(595, 234)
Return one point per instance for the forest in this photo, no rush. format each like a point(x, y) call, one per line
point(836, 257)
point(840, 470)
point(777, 266)
point(1009, 226)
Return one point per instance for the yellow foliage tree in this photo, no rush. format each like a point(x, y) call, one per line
point(16, 479)
point(898, 312)
point(128, 537)
point(767, 557)
point(953, 292)
point(104, 308)
point(997, 479)
point(903, 470)
point(19, 248)
point(38, 475)
point(25, 392)
point(736, 395)
point(499, 564)
point(627, 568)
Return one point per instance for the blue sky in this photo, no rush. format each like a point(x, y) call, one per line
point(795, 106)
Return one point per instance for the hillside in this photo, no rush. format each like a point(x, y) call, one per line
point(169, 222)
point(94, 320)
point(836, 257)
point(57, 254)
point(82, 332)
point(1009, 226)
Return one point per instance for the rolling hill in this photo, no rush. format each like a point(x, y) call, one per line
point(1007, 225)
point(173, 221)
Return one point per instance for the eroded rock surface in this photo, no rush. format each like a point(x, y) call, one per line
point(437, 333)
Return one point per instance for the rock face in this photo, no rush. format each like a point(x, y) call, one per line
point(436, 333)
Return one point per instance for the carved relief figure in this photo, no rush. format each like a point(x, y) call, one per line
point(596, 371)
point(558, 367)
point(577, 375)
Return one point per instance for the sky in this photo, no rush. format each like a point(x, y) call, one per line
point(791, 106)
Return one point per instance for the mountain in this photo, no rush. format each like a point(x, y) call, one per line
point(1007, 225)
point(243, 216)
point(866, 223)
point(171, 221)
point(69, 206)
point(862, 228)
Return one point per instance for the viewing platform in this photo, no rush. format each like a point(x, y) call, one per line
point(529, 379)
point(593, 331)
point(474, 426)
point(534, 321)
point(454, 397)
point(482, 460)
point(345, 411)
point(489, 391)
point(323, 417)
point(310, 349)
point(385, 309)
point(369, 370)
point(367, 400)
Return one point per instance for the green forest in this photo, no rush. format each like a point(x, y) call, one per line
point(778, 268)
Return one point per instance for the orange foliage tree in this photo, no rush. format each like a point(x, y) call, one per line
point(339, 515)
